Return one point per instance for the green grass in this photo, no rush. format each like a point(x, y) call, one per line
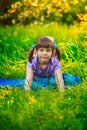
point(16, 41)
point(48, 109)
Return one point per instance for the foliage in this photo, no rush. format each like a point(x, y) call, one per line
point(29, 11)
point(44, 109)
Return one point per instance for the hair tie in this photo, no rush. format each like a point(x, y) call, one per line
point(55, 45)
point(33, 46)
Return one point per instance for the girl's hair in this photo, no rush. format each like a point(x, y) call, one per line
point(46, 42)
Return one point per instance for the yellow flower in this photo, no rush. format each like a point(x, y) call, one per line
point(86, 7)
point(32, 99)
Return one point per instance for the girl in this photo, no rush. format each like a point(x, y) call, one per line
point(43, 67)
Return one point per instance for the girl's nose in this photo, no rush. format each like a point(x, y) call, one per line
point(44, 52)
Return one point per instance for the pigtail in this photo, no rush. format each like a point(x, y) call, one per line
point(31, 54)
point(57, 53)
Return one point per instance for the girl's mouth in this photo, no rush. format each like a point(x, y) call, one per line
point(44, 57)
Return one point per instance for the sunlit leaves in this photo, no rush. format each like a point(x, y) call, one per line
point(28, 11)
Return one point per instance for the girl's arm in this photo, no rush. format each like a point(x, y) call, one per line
point(29, 78)
point(59, 79)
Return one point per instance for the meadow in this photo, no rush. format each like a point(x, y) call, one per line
point(44, 109)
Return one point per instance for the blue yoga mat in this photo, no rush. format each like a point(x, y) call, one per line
point(68, 80)
point(12, 82)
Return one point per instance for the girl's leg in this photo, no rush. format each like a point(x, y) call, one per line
point(41, 83)
point(71, 80)
point(36, 85)
point(52, 82)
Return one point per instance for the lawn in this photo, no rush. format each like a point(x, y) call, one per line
point(48, 109)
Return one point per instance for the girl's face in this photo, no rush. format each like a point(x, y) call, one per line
point(44, 55)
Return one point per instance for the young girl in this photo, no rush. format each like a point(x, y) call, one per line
point(43, 67)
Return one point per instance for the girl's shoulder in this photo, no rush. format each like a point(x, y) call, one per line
point(35, 59)
point(55, 63)
point(33, 62)
point(54, 60)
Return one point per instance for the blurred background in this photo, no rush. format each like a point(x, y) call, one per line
point(23, 22)
point(42, 11)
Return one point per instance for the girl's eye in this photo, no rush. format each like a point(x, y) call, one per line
point(40, 49)
point(48, 50)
